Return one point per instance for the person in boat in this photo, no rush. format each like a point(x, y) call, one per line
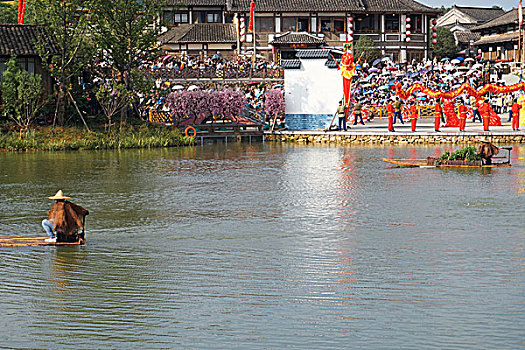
point(65, 220)
point(486, 151)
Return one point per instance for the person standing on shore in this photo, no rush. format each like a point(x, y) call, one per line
point(357, 113)
point(509, 102)
point(515, 116)
point(437, 116)
point(390, 114)
point(475, 112)
point(462, 117)
point(342, 116)
point(397, 110)
point(413, 116)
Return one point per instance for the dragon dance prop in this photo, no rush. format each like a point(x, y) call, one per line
point(465, 87)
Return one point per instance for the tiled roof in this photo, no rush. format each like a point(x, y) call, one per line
point(187, 3)
point(21, 40)
point(480, 14)
point(331, 5)
point(315, 53)
point(291, 64)
point(465, 37)
point(330, 63)
point(498, 38)
point(398, 6)
point(297, 38)
point(200, 33)
point(508, 17)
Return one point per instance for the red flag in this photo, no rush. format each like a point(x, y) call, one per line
point(252, 8)
point(520, 14)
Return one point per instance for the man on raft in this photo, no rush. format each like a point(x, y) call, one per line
point(66, 219)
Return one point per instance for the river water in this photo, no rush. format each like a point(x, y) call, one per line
point(265, 246)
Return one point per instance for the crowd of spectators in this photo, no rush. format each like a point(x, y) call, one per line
point(184, 67)
point(373, 83)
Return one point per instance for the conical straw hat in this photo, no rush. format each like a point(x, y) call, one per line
point(59, 195)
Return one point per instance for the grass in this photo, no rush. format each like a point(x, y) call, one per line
point(72, 138)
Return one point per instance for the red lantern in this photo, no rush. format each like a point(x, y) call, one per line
point(408, 39)
point(434, 41)
point(350, 32)
point(434, 29)
point(434, 22)
point(408, 19)
point(350, 25)
point(408, 25)
point(408, 32)
point(434, 35)
point(350, 19)
point(350, 38)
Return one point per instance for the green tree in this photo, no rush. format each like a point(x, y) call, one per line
point(446, 45)
point(8, 13)
point(366, 49)
point(125, 33)
point(66, 21)
point(22, 95)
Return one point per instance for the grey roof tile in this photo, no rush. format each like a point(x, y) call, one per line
point(314, 53)
point(291, 64)
point(481, 14)
point(297, 38)
point(22, 40)
point(200, 33)
point(509, 17)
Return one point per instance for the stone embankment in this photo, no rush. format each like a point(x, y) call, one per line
point(320, 137)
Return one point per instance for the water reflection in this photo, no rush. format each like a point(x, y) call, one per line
point(264, 246)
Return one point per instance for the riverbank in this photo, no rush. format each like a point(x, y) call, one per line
point(347, 137)
point(72, 138)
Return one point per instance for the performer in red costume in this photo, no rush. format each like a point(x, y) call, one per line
point(413, 117)
point(485, 114)
point(437, 116)
point(462, 117)
point(390, 113)
point(516, 116)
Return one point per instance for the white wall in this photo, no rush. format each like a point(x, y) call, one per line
point(313, 89)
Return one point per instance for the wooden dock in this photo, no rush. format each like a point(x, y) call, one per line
point(33, 241)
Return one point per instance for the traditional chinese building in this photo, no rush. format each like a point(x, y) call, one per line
point(333, 22)
point(22, 41)
point(499, 37)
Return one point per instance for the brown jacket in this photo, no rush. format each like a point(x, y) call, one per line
point(68, 217)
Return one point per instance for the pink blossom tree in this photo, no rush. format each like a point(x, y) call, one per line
point(274, 104)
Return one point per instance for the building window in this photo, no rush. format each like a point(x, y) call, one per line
point(265, 25)
point(302, 25)
point(171, 18)
point(339, 25)
point(416, 23)
point(180, 17)
point(366, 23)
point(326, 25)
point(213, 18)
point(289, 24)
point(167, 18)
point(392, 23)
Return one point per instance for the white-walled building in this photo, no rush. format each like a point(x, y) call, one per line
point(312, 90)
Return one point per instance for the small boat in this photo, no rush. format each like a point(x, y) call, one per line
point(34, 241)
point(430, 162)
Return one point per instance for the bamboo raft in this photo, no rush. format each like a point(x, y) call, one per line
point(429, 163)
point(34, 241)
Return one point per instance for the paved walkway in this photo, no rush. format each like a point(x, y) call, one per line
point(425, 126)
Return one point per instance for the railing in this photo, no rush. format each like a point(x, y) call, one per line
point(213, 73)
